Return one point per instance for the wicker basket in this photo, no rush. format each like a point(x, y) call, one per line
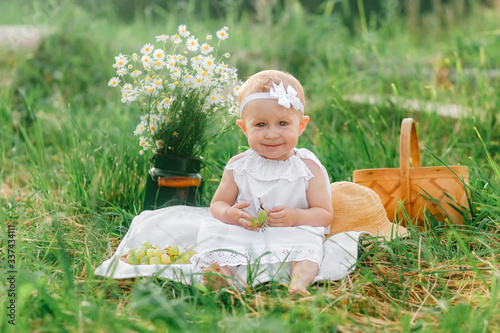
point(438, 189)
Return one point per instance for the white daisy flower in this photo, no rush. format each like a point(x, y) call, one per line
point(135, 57)
point(222, 34)
point(198, 80)
point(158, 84)
point(127, 87)
point(173, 85)
point(176, 39)
point(159, 144)
point(147, 49)
point(167, 102)
point(214, 98)
point(146, 59)
point(206, 49)
point(149, 90)
point(121, 60)
point(175, 72)
point(192, 44)
point(152, 128)
point(135, 73)
point(224, 78)
point(195, 61)
point(113, 82)
point(140, 128)
point(159, 54)
point(209, 62)
point(209, 37)
point(128, 96)
point(170, 64)
point(183, 30)
point(130, 66)
point(203, 72)
point(236, 90)
point(121, 72)
point(158, 64)
point(162, 38)
point(227, 55)
point(183, 61)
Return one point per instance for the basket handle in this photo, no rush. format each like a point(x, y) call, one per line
point(408, 148)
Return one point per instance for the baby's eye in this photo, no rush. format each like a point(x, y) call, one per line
point(283, 123)
point(261, 125)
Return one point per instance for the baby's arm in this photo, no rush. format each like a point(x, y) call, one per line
point(320, 211)
point(223, 205)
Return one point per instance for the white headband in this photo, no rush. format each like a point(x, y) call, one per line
point(285, 98)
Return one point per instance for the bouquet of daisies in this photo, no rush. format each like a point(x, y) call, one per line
point(185, 91)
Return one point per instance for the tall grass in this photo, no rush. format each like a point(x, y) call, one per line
point(72, 178)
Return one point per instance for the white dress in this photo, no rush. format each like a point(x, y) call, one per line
point(269, 253)
point(272, 183)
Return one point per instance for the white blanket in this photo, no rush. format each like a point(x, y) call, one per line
point(179, 225)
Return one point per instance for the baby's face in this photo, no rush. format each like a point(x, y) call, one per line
point(272, 130)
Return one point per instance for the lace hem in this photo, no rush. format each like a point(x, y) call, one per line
point(230, 258)
point(264, 169)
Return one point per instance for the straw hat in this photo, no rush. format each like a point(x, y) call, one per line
point(359, 208)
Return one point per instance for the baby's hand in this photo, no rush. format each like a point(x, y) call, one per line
point(238, 216)
point(282, 216)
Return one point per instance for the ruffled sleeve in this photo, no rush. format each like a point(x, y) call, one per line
point(304, 153)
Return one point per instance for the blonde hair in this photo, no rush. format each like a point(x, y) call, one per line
point(263, 81)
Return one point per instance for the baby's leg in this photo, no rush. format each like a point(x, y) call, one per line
point(303, 274)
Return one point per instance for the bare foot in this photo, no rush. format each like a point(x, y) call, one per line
point(303, 273)
point(215, 277)
point(298, 290)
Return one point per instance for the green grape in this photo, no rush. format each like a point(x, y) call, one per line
point(172, 250)
point(146, 244)
point(132, 251)
point(191, 252)
point(134, 261)
point(129, 257)
point(179, 262)
point(143, 248)
point(262, 216)
point(150, 252)
point(139, 254)
point(184, 257)
point(165, 259)
point(155, 261)
point(144, 260)
point(255, 222)
point(158, 252)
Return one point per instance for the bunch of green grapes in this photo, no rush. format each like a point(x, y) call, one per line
point(261, 220)
point(148, 254)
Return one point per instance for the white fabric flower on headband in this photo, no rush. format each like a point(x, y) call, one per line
point(285, 98)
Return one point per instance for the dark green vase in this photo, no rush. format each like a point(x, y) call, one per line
point(173, 180)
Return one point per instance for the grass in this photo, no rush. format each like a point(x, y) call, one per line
point(72, 178)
